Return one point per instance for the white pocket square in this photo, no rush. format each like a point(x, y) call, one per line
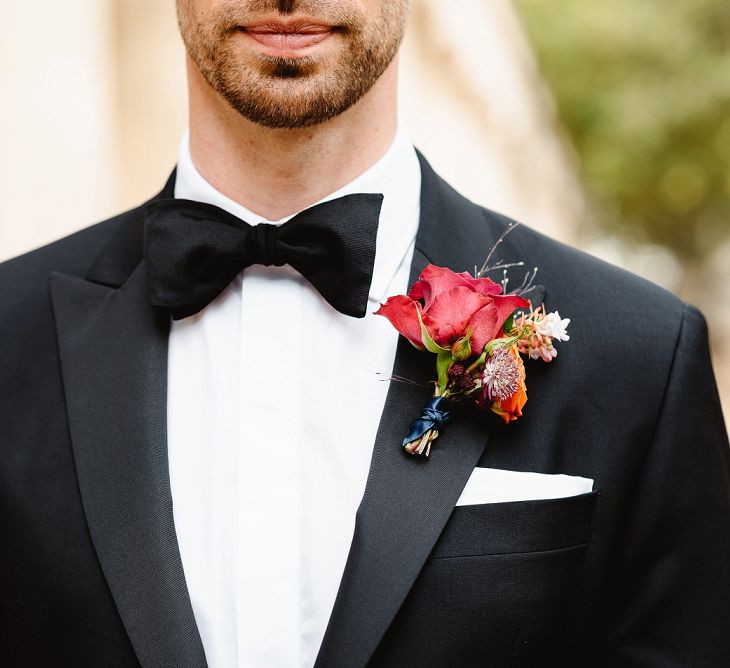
point(498, 485)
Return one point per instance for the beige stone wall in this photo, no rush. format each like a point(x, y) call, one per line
point(58, 159)
point(474, 102)
point(150, 93)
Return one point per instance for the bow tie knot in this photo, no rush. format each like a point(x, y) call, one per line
point(261, 245)
point(194, 250)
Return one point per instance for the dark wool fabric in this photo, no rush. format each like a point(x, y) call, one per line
point(634, 573)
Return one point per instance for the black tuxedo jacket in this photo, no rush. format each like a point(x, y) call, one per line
point(634, 573)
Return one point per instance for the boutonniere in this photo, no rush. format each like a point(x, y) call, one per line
point(478, 334)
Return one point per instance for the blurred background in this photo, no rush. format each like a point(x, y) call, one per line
point(605, 125)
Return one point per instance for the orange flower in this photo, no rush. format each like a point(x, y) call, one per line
point(511, 408)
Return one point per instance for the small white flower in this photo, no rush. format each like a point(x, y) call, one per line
point(554, 327)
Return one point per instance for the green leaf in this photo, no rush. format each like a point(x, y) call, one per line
point(478, 363)
point(428, 342)
point(443, 361)
point(496, 343)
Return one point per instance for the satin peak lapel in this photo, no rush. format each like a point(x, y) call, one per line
point(407, 499)
point(113, 348)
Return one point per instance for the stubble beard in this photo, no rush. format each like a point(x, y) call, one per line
point(292, 93)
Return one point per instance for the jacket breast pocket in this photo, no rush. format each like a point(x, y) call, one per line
point(518, 526)
point(501, 577)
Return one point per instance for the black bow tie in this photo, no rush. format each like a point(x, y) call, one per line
point(194, 250)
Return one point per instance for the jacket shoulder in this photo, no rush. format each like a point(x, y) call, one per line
point(462, 233)
point(72, 253)
point(624, 329)
point(24, 279)
point(616, 315)
point(580, 278)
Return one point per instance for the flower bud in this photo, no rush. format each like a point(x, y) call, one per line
point(461, 348)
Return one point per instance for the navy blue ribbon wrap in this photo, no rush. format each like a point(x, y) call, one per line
point(433, 416)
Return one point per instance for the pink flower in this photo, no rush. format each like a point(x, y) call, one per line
point(451, 305)
point(537, 331)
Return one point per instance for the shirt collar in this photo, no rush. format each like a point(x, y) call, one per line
point(397, 175)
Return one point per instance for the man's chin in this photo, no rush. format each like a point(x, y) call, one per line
point(289, 70)
point(285, 104)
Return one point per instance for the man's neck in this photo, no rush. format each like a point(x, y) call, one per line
point(276, 173)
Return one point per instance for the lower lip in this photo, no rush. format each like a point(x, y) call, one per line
point(288, 45)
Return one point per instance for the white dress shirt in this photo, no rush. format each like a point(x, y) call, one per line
point(274, 399)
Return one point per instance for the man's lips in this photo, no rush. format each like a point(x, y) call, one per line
point(286, 39)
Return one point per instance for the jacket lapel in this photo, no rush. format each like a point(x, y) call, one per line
point(408, 500)
point(113, 350)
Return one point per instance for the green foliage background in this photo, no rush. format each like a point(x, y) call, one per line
point(643, 90)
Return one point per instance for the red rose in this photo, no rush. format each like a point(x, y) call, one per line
point(450, 305)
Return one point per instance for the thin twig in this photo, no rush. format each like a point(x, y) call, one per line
point(485, 267)
point(504, 282)
point(527, 283)
point(507, 265)
point(399, 379)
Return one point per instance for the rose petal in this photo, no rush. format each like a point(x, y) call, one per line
point(450, 313)
point(435, 280)
point(487, 323)
point(402, 312)
point(484, 327)
point(506, 305)
point(421, 291)
point(485, 285)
